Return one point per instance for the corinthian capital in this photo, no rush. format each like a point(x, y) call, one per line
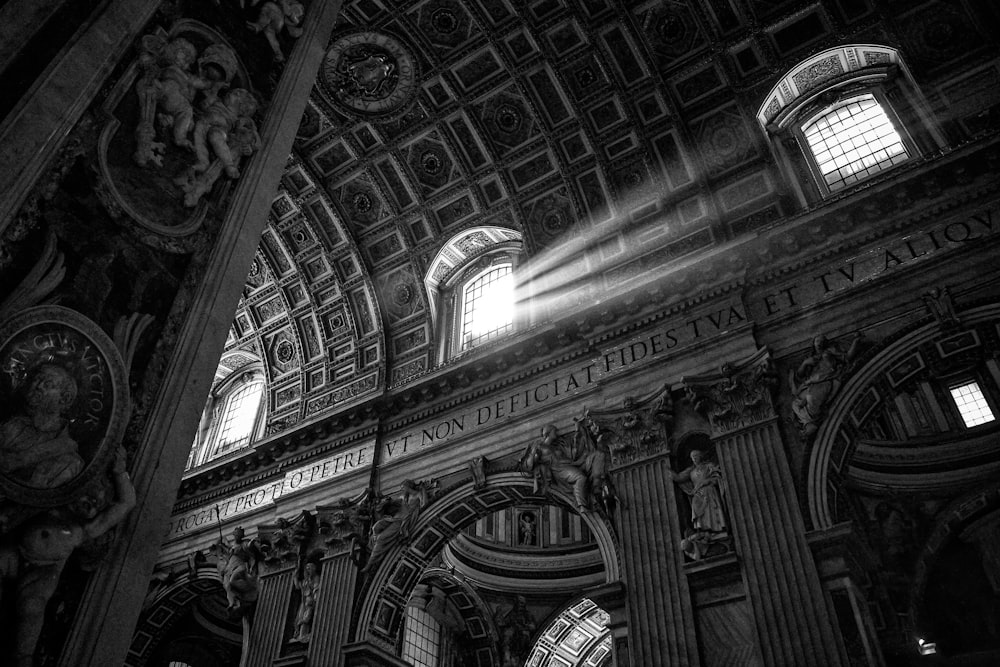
point(739, 395)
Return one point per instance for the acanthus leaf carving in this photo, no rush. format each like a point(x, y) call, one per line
point(739, 395)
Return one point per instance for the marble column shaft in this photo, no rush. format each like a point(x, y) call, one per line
point(661, 617)
point(794, 623)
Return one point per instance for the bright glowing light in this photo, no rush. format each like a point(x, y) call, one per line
point(925, 647)
point(488, 306)
point(853, 141)
point(972, 404)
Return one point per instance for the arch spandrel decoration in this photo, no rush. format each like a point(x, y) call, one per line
point(870, 389)
point(389, 588)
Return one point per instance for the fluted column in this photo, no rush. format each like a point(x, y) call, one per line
point(661, 618)
point(661, 623)
point(794, 624)
point(332, 623)
point(270, 617)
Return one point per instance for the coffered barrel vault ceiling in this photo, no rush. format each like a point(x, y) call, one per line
point(632, 121)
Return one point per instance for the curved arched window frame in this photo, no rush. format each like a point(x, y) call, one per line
point(832, 80)
point(215, 437)
point(449, 283)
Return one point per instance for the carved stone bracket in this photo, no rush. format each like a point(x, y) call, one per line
point(739, 395)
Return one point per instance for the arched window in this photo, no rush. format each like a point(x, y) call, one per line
point(233, 415)
point(843, 116)
point(470, 285)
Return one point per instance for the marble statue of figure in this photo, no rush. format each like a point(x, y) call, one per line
point(168, 87)
point(238, 570)
point(549, 460)
point(35, 559)
point(703, 482)
point(275, 16)
point(308, 585)
point(399, 516)
point(36, 448)
point(818, 378)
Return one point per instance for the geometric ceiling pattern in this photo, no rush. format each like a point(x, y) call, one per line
point(633, 121)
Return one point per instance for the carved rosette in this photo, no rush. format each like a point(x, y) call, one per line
point(738, 396)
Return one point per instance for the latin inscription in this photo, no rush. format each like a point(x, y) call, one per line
point(261, 496)
point(639, 351)
point(874, 263)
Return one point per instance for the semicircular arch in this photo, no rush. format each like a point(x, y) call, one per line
point(390, 585)
point(837, 438)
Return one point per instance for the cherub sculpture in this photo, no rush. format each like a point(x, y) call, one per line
point(35, 558)
point(225, 130)
point(168, 86)
point(275, 16)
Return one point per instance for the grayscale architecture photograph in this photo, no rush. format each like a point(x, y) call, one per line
point(500, 333)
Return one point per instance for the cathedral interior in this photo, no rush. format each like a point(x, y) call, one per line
point(499, 333)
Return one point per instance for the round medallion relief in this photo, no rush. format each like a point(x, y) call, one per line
point(370, 73)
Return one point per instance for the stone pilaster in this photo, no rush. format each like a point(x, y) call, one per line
point(794, 624)
point(661, 628)
point(269, 620)
point(106, 616)
point(661, 618)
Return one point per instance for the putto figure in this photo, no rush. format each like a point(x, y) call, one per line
point(36, 448)
point(277, 16)
point(237, 565)
point(168, 87)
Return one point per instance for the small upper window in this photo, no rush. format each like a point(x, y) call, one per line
point(853, 140)
point(488, 306)
point(238, 418)
point(971, 404)
point(844, 115)
point(233, 414)
point(471, 289)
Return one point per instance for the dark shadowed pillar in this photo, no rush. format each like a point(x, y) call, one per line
point(107, 614)
point(793, 621)
point(661, 618)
